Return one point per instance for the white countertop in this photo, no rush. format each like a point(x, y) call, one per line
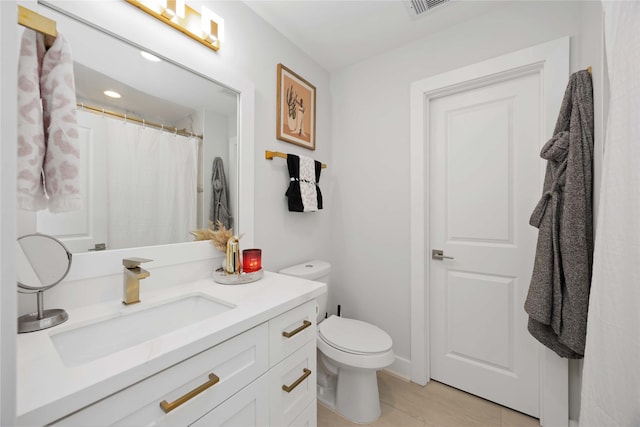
point(48, 390)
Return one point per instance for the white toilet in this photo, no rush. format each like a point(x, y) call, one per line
point(349, 354)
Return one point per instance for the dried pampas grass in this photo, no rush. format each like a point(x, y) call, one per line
point(218, 237)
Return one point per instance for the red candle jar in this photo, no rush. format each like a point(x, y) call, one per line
point(251, 260)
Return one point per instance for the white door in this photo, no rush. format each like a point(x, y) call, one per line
point(484, 182)
point(83, 229)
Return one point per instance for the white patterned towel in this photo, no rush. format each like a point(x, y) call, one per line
point(62, 159)
point(48, 153)
point(31, 145)
point(308, 184)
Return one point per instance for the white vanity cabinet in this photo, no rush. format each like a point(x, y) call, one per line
point(225, 369)
point(292, 350)
point(248, 407)
point(286, 394)
point(296, 373)
point(263, 376)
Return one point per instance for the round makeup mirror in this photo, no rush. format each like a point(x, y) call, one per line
point(41, 262)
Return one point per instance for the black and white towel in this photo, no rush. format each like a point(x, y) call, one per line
point(303, 194)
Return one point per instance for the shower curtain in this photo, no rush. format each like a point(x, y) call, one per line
point(611, 373)
point(152, 186)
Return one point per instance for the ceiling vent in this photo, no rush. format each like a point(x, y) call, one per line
point(418, 7)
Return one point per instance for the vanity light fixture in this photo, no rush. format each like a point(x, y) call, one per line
point(112, 94)
point(211, 25)
point(204, 26)
point(173, 8)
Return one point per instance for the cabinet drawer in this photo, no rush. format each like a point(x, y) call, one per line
point(248, 407)
point(296, 374)
point(291, 330)
point(236, 362)
point(308, 417)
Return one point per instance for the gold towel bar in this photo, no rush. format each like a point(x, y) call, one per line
point(269, 155)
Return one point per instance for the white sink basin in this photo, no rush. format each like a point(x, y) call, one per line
point(127, 329)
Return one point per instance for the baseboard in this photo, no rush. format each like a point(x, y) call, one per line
point(400, 367)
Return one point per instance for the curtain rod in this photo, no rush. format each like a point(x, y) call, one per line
point(30, 19)
point(143, 122)
point(269, 155)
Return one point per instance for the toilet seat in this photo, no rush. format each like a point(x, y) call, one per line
point(380, 354)
point(354, 336)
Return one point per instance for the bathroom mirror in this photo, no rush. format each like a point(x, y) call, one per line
point(41, 263)
point(135, 193)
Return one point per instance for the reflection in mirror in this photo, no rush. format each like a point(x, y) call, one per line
point(146, 156)
point(41, 263)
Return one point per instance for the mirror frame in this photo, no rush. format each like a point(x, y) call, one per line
point(129, 24)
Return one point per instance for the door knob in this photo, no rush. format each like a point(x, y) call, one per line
point(439, 255)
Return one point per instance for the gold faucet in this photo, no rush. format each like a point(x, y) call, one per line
point(131, 280)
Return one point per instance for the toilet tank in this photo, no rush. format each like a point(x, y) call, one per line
point(312, 270)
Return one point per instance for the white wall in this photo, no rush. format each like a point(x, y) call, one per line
point(254, 48)
point(8, 150)
point(370, 155)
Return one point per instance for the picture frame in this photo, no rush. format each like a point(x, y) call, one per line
point(296, 109)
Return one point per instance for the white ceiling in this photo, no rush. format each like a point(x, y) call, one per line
point(337, 33)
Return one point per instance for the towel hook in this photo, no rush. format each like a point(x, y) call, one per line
point(103, 113)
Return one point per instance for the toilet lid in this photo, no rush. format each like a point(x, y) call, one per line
point(354, 336)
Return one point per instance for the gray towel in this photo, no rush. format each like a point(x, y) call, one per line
point(558, 297)
point(219, 209)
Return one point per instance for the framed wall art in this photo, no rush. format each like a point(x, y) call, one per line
point(296, 109)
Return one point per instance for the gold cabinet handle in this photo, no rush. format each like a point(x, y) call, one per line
point(289, 388)
point(305, 325)
point(168, 407)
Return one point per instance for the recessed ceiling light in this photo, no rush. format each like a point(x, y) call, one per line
point(112, 94)
point(150, 57)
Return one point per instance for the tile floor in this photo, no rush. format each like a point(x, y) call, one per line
point(405, 404)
